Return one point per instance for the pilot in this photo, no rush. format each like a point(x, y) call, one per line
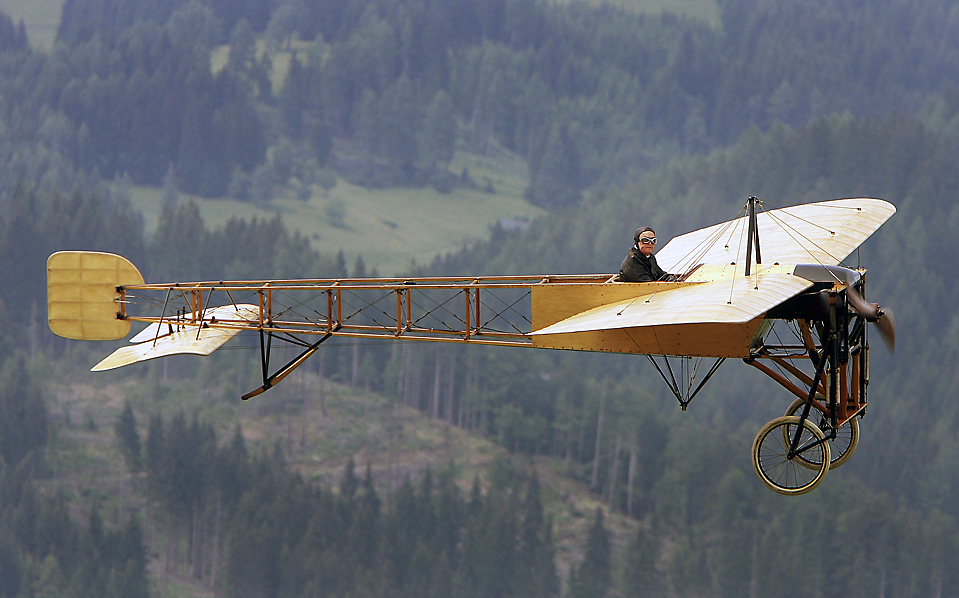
point(640, 263)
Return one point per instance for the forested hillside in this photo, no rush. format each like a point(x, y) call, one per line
point(622, 119)
point(386, 89)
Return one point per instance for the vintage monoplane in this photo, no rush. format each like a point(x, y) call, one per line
point(731, 291)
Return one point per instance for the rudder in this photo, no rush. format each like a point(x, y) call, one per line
point(83, 296)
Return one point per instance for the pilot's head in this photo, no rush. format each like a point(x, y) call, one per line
point(645, 240)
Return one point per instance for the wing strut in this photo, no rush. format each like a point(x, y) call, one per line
point(752, 237)
point(268, 380)
point(674, 386)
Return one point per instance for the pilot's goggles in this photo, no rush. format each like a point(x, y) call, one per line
point(648, 240)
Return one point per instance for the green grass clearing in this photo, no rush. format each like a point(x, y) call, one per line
point(391, 228)
point(706, 10)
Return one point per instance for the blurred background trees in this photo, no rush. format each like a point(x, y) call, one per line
point(622, 119)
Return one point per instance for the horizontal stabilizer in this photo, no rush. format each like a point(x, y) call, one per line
point(729, 301)
point(179, 337)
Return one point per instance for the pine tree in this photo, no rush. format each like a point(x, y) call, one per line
point(23, 414)
point(536, 566)
point(292, 98)
point(242, 47)
point(366, 529)
point(641, 579)
point(438, 135)
point(11, 569)
point(20, 255)
point(155, 443)
point(556, 173)
point(125, 429)
point(593, 577)
point(349, 483)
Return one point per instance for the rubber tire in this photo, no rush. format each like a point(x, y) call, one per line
point(840, 448)
point(784, 475)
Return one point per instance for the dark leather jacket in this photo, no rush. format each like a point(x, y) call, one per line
point(639, 268)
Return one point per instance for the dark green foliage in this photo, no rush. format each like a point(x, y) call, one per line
point(593, 577)
point(715, 530)
point(556, 181)
point(21, 254)
point(535, 563)
point(641, 578)
point(591, 94)
point(439, 131)
point(507, 545)
point(125, 430)
point(596, 101)
point(282, 536)
point(153, 453)
point(544, 406)
point(320, 140)
point(42, 549)
point(183, 247)
point(82, 19)
point(12, 36)
point(292, 96)
point(23, 414)
point(36, 226)
point(587, 95)
point(129, 90)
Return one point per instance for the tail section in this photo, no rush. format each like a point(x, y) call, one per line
point(83, 296)
point(214, 327)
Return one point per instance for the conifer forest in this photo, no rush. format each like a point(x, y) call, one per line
point(442, 470)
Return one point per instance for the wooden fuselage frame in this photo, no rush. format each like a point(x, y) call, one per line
point(517, 311)
point(534, 302)
point(472, 317)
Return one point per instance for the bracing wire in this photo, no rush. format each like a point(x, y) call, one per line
point(797, 236)
point(694, 256)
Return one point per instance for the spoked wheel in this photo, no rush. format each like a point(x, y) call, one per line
point(779, 471)
point(841, 447)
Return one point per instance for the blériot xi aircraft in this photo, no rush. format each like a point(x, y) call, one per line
point(737, 280)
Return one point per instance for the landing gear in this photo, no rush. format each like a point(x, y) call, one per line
point(785, 453)
point(820, 429)
point(842, 446)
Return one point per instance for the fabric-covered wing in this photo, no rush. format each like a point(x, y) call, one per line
point(731, 300)
point(818, 233)
point(170, 338)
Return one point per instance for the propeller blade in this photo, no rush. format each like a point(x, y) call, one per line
point(873, 313)
point(870, 311)
point(887, 328)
